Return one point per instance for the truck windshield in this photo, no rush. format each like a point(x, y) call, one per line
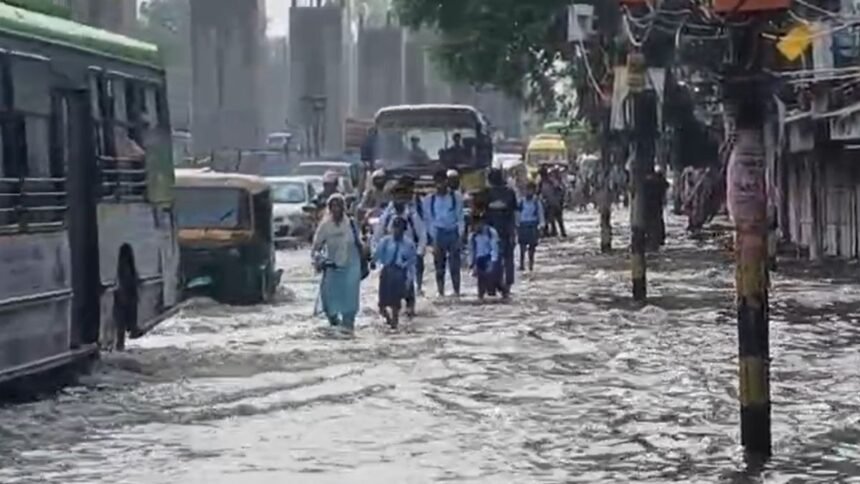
point(420, 147)
point(212, 208)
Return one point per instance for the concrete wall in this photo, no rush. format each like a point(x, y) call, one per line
point(416, 65)
point(381, 69)
point(276, 85)
point(318, 68)
point(226, 37)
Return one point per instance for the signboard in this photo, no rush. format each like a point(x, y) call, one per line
point(793, 44)
point(580, 22)
point(845, 126)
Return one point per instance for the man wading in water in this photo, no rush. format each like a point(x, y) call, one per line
point(500, 212)
point(396, 254)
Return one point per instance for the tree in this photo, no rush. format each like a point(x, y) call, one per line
point(517, 46)
point(167, 23)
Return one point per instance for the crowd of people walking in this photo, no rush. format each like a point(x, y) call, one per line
point(409, 223)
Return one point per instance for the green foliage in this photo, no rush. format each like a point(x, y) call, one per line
point(377, 10)
point(167, 23)
point(513, 45)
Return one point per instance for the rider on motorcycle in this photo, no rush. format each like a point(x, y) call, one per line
point(375, 198)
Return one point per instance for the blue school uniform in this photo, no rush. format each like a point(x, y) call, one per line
point(485, 258)
point(397, 259)
point(531, 218)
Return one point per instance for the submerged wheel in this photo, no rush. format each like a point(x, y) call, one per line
point(265, 289)
point(125, 302)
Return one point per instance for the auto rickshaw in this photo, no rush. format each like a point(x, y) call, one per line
point(226, 237)
point(546, 149)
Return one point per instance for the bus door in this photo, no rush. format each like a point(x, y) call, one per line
point(72, 133)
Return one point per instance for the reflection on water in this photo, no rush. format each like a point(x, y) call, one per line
point(570, 382)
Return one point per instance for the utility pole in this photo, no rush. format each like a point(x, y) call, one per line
point(605, 194)
point(644, 131)
point(608, 28)
point(745, 89)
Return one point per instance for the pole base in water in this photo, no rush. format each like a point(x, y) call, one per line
point(755, 431)
point(637, 261)
point(605, 231)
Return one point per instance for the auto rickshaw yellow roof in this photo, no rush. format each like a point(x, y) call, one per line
point(549, 136)
point(197, 178)
point(547, 144)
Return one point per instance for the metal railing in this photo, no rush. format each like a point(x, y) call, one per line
point(32, 204)
point(122, 179)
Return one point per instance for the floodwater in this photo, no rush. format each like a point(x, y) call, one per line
point(570, 382)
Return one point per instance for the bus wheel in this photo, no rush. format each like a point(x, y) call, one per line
point(125, 301)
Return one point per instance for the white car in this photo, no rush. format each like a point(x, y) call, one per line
point(293, 208)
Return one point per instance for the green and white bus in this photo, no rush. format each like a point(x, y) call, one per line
point(88, 247)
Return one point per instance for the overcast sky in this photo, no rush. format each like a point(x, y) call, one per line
point(276, 10)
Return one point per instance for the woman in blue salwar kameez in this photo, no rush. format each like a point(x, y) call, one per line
point(337, 252)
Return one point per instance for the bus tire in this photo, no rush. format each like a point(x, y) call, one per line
point(125, 299)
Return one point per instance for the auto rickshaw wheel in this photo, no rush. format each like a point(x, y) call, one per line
point(265, 290)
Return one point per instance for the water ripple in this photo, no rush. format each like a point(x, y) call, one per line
point(569, 382)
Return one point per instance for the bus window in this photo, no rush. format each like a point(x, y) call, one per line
point(32, 100)
point(14, 162)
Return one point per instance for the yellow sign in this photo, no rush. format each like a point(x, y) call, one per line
point(795, 42)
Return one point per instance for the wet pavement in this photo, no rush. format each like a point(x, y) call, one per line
point(569, 382)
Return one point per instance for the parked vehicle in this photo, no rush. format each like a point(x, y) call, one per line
point(249, 162)
point(226, 237)
point(293, 208)
point(87, 247)
point(279, 141)
point(352, 174)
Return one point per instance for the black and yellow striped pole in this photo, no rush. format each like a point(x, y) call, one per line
point(746, 90)
point(747, 198)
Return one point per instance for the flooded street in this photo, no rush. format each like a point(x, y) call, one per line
point(570, 382)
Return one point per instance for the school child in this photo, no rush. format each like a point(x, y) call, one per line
point(530, 219)
point(484, 256)
point(396, 255)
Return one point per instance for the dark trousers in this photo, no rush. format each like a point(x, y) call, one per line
point(555, 222)
point(488, 276)
point(528, 238)
point(505, 266)
point(419, 272)
point(447, 248)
